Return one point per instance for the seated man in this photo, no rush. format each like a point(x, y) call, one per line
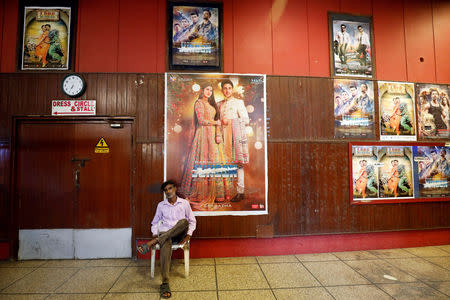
point(178, 224)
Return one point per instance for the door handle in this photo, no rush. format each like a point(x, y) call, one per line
point(77, 180)
point(81, 160)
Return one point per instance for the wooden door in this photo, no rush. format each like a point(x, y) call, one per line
point(61, 182)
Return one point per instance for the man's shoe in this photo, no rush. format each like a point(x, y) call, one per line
point(237, 198)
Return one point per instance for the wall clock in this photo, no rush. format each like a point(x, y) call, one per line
point(73, 85)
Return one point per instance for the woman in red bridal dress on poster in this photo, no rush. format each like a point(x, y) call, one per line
point(206, 150)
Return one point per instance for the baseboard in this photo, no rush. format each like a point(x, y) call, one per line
point(207, 248)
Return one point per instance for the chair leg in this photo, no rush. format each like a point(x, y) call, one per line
point(186, 262)
point(152, 264)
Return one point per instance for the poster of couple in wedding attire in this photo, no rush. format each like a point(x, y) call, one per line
point(216, 141)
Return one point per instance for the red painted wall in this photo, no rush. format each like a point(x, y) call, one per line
point(279, 37)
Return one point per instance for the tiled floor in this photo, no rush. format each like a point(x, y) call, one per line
point(410, 273)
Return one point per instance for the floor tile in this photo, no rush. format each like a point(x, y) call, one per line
point(446, 248)
point(66, 263)
point(317, 257)
point(201, 278)
point(196, 261)
point(375, 271)
point(421, 269)
point(357, 292)
point(411, 291)
point(137, 279)
point(140, 263)
point(334, 273)
point(276, 259)
point(133, 296)
point(122, 262)
point(354, 255)
point(302, 294)
point(235, 260)
point(211, 295)
point(22, 264)
point(443, 261)
point(246, 294)
point(240, 277)
point(42, 280)
point(391, 253)
point(76, 296)
point(443, 287)
point(23, 297)
point(288, 275)
point(92, 280)
point(427, 251)
point(9, 275)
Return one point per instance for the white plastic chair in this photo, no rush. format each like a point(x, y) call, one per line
point(176, 246)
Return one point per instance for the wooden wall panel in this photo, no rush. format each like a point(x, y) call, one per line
point(252, 30)
point(290, 31)
point(419, 41)
point(389, 40)
point(4, 188)
point(98, 36)
point(9, 36)
point(141, 18)
point(356, 7)
point(228, 36)
point(319, 55)
point(441, 29)
point(308, 170)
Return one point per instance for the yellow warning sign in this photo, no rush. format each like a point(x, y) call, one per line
point(102, 146)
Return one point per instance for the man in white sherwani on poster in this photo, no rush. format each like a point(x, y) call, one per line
point(234, 118)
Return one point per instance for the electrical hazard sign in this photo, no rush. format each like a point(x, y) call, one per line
point(102, 146)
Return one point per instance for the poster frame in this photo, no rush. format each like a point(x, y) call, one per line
point(387, 200)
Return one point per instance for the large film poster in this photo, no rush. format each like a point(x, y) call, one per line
point(381, 173)
point(432, 171)
point(353, 108)
point(433, 111)
point(397, 115)
point(215, 141)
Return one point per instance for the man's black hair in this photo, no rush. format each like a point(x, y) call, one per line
point(226, 81)
point(166, 183)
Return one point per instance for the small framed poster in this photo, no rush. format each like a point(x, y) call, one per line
point(351, 46)
point(354, 109)
point(46, 38)
point(195, 36)
point(433, 113)
point(397, 111)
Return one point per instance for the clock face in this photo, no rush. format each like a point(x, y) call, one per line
point(73, 85)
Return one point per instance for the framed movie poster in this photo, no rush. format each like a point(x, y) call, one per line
point(195, 36)
point(351, 46)
point(432, 171)
point(215, 141)
point(397, 111)
point(381, 173)
point(46, 38)
point(433, 111)
point(353, 108)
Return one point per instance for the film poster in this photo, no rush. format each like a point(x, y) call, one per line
point(215, 141)
point(353, 108)
point(397, 114)
point(382, 173)
point(433, 111)
point(46, 37)
point(351, 46)
point(431, 171)
point(195, 36)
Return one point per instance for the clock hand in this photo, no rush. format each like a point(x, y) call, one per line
point(71, 87)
